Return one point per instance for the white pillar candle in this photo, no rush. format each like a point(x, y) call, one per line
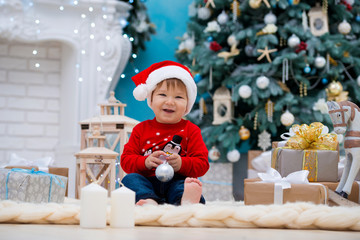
point(122, 208)
point(93, 206)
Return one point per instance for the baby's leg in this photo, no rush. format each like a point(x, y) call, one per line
point(192, 191)
point(146, 201)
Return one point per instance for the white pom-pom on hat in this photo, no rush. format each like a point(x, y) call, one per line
point(140, 92)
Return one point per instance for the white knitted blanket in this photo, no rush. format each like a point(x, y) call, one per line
point(213, 214)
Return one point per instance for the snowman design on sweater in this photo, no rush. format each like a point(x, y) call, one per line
point(173, 146)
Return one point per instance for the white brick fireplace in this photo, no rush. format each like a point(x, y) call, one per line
point(58, 60)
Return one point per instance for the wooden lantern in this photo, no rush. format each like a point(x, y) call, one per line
point(88, 158)
point(223, 109)
point(113, 125)
point(318, 21)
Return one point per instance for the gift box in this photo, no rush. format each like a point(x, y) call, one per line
point(322, 164)
point(257, 192)
point(31, 186)
point(62, 171)
point(309, 149)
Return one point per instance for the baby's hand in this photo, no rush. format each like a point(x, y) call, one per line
point(153, 160)
point(175, 161)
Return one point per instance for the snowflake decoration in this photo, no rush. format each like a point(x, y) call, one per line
point(264, 140)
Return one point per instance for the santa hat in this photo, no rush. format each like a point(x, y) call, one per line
point(147, 80)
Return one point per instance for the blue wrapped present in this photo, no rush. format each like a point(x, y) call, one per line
point(31, 186)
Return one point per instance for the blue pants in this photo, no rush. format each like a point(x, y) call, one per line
point(150, 187)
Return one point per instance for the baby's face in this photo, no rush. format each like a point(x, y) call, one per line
point(169, 103)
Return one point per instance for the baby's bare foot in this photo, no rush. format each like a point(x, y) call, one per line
point(146, 201)
point(192, 191)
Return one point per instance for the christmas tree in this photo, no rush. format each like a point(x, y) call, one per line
point(278, 60)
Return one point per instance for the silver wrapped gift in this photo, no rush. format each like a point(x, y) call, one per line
point(31, 186)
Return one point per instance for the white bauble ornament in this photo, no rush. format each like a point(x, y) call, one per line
point(270, 18)
point(214, 154)
point(262, 82)
point(358, 80)
point(320, 62)
point(344, 27)
point(287, 118)
point(223, 18)
point(231, 40)
point(233, 155)
point(164, 172)
point(189, 43)
point(203, 13)
point(293, 41)
point(245, 91)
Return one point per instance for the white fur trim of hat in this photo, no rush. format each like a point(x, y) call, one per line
point(147, 80)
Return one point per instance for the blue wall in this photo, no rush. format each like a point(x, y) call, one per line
point(170, 18)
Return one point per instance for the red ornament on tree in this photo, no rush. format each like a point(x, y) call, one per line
point(215, 46)
point(302, 46)
point(348, 6)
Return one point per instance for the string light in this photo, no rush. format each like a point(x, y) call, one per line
point(37, 21)
point(61, 8)
point(104, 16)
point(107, 37)
point(92, 36)
point(136, 70)
point(75, 2)
point(134, 55)
point(131, 39)
point(98, 69)
point(35, 52)
point(91, 9)
point(109, 79)
point(102, 53)
point(83, 15)
point(92, 25)
point(83, 52)
point(80, 79)
point(122, 75)
point(37, 65)
point(76, 31)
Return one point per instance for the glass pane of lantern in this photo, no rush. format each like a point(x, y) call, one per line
point(221, 110)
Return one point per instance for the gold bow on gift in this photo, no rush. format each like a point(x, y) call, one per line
point(311, 137)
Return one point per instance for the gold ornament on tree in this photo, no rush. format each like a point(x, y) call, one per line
point(234, 52)
point(335, 92)
point(269, 108)
point(255, 120)
point(235, 10)
point(244, 133)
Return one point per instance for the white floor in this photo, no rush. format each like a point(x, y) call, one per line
point(70, 232)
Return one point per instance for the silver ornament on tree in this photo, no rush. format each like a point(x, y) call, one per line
point(245, 91)
point(264, 140)
point(287, 118)
point(214, 154)
point(233, 156)
point(231, 40)
point(358, 81)
point(164, 172)
point(203, 13)
point(223, 18)
point(344, 27)
point(293, 41)
point(320, 62)
point(262, 82)
point(249, 50)
point(270, 18)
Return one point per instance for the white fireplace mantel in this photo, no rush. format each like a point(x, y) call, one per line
point(94, 53)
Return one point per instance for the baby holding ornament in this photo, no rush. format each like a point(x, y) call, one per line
point(165, 155)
